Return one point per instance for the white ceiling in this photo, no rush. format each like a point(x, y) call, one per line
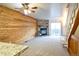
point(44, 11)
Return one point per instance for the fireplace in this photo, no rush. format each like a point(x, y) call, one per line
point(43, 31)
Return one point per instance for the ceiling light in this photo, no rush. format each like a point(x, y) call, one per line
point(26, 12)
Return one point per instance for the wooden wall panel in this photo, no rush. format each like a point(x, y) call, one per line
point(73, 49)
point(14, 26)
point(73, 40)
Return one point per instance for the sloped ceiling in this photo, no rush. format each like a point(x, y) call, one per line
point(44, 11)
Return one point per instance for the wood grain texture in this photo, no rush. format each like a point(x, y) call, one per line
point(15, 27)
point(73, 49)
point(72, 43)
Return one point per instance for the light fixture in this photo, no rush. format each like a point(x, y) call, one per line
point(26, 12)
point(27, 9)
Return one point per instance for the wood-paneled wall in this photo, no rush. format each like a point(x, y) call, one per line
point(73, 41)
point(15, 27)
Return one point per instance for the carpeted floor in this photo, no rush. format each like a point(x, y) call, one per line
point(45, 46)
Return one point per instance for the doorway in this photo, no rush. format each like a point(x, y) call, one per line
point(56, 29)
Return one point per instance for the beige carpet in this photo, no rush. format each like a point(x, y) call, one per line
point(45, 46)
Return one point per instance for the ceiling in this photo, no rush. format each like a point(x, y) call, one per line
point(44, 11)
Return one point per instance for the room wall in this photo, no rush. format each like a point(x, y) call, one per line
point(16, 27)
